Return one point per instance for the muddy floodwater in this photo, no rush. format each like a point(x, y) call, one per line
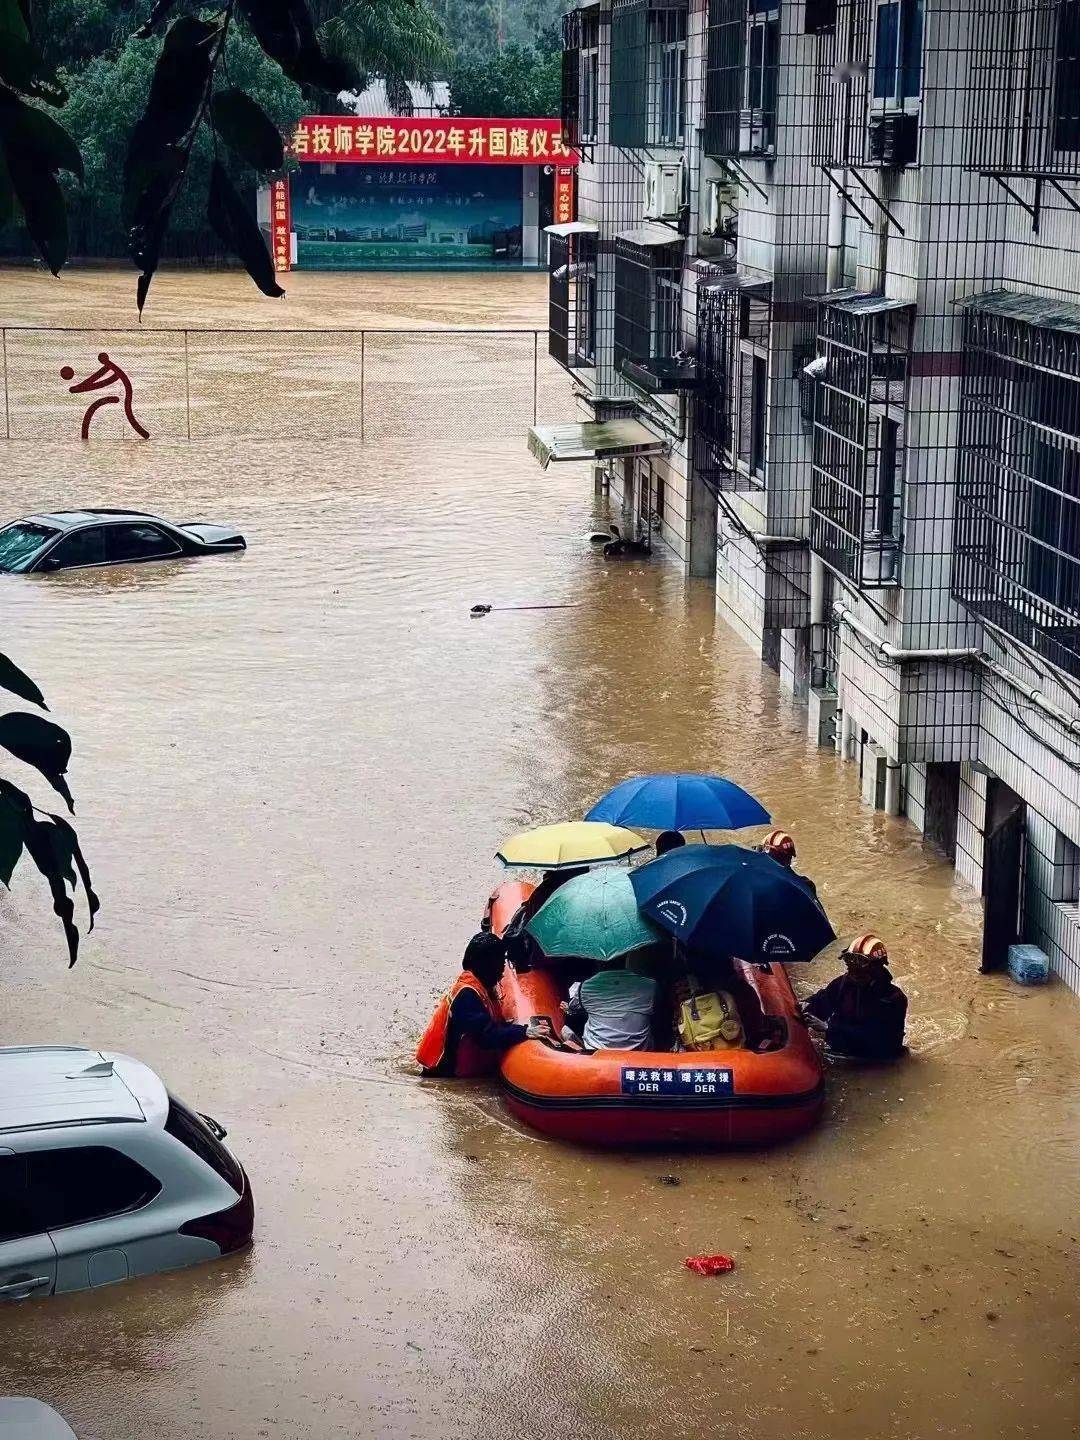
point(293, 767)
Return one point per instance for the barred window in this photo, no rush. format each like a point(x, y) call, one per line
point(731, 401)
point(898, 38)
point(741, 77)
point(572, 299)
point(648, 303)
point(648, 73)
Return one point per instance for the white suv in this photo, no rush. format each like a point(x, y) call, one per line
point(105, 1175)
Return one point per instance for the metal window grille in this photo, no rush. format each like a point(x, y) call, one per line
point(741, 77)
point(648, 73)
point(841, 88)
point(570, 101)
point(1017, 535)
point(572, 300)
point(648, 302)
point(730, 309)
point(1026, 89)
point(858, 454)
point(580, 76)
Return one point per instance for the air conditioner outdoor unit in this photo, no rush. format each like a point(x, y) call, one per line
point(663, 190)
point(894, 139)
point(718, 207)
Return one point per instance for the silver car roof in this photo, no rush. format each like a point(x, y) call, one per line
point(47, 1086)
point(22, 1418)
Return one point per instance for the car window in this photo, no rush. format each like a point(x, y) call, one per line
point(19, 543)
point(51, 1189)
point(138, 542)
point(85, 547)
point(191, 1130)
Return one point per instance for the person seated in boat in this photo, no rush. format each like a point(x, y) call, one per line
point(779, 845)
point(465, 1035)
point(669, 840)
point(718, 974)
point(612, 1010)
point(521, 949)
point(861, 1012)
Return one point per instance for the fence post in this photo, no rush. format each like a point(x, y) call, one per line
point(536, 371)
point(7, 403)
point(187, 385)
point(363, 362)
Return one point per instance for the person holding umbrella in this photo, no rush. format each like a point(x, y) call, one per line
point(861, 1012)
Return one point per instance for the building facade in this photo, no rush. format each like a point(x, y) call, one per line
point(823, 292)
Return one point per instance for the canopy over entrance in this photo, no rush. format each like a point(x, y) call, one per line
point(594, 439)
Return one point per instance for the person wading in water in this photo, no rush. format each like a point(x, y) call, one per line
point(861, 1012)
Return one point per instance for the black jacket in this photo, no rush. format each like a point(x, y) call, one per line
point(866, 1021)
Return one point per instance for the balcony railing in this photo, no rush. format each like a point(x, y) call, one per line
point(648, 312)
point(859, 379)
point(1017, 530)
point(1025, 89)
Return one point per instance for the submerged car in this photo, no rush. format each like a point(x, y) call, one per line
point(104, 1175)
point(73, 539)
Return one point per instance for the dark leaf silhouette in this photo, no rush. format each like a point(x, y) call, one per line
point(246, 128)
point(237, 228)
point(40, 743)
point(7, 195)
point(76, 857)
point(34, 148)
point(16, 814)
point(157, 17)
point(161, 142)
point(285, 31)
point(29, 130)
point(50, 853)
point(21, 63)
point(19, 683)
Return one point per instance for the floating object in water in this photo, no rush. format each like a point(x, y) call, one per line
point(1028, 965)
point(656, 1097)
point(478, 610)
point(709, 1264)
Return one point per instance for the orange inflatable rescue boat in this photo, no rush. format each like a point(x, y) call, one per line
point(734, 1096)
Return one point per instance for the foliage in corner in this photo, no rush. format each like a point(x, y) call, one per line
point(49, 840)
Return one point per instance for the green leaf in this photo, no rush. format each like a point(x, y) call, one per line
point(19, 683)
point(163, 137)
point(246, 128)
point(285, 31)
point(26, 130)
point(40, 743)
point(236, 226)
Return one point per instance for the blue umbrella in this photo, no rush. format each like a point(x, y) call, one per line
point(728, 900)
point(680, 802)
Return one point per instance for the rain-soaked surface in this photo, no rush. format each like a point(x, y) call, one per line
point(293, 767)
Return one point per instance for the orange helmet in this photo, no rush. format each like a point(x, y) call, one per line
point(867, 947)
point(778, 843)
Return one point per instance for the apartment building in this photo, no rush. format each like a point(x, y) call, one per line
point(822, 306)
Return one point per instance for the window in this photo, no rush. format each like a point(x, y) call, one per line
point(572, 299)
point(589, 78)
point(898, 51)
point(85, 547)
point(54, 1189)
point(667, 52)
point(762, 39)
point(20, 543)
point(139, 542)
point(585, 318)
point(1065, 876)
point(1067, 77)
point(753, 411)
point(648, 72)
point(667, 315)
point(648, 302)
point(193, 1132)
point(885, 517)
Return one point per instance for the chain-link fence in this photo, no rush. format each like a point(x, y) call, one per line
point(365, 385)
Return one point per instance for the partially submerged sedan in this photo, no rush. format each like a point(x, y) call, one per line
point(74, 539)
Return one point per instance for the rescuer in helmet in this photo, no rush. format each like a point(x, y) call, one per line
point(781, 847)
point(861, 1012)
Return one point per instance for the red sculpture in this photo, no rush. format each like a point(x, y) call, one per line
point(109, 374)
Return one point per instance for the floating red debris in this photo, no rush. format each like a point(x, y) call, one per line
point(710, 1264)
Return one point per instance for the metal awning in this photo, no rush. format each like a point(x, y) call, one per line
point(748, 283)
point(573, 227)
point(592, 440)
point(1034, 310)
point(651, 235)
point(858, 302)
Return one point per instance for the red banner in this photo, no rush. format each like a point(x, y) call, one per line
point(440, 140)
point(280, 223)
point(563, 207)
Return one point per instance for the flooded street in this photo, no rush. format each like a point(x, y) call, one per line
point(292, 769)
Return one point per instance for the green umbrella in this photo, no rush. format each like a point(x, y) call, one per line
point(593, 917)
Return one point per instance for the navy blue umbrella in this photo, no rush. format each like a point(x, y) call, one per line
point(724, 899)
point(680, 802)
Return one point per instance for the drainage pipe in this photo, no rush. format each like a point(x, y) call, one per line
point(1037, 698)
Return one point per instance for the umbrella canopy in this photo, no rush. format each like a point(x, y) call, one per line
point(593, 917)
point(680, 802)
point(733, 901)
point(562, 847)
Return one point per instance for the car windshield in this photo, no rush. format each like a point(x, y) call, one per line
point(19, 543)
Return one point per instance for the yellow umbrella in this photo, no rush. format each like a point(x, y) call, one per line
point(577, 842)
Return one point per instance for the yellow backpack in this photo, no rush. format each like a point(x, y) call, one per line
point(710, 1022)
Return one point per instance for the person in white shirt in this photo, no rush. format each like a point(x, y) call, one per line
point(612, 1010)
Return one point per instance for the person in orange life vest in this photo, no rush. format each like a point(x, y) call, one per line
point(465, 1035)
point(779, 845)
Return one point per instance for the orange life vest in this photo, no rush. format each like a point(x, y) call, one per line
point(470, 1058)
